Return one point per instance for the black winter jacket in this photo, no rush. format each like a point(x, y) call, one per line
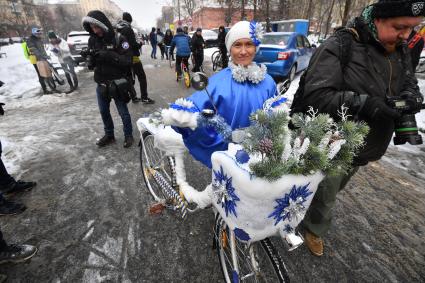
point(197, 43)
point(112, 53)
point(167, 39)
point(221, 39)
point(125, 29)
point(370, 71)
point(36, 48)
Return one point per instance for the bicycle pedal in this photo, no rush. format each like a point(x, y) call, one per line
point(156, 208)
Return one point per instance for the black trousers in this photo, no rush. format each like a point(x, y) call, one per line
point(224, 59)
point(40, 79)
point(141, 76)
point(5, 178)
point(198, 56)
point(179, 60)
point(162, 48)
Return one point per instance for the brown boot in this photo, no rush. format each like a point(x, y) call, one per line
point(314, 244)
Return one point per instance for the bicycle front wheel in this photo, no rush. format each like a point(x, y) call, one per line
point(240, 262)
point(153, 160)
point(217, 62)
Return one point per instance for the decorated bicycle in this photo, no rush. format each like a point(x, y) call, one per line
point(264, 175)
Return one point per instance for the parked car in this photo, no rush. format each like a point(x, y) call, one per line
point(77, 41)
point(284, 54)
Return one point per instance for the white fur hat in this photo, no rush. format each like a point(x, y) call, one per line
point(244, 29)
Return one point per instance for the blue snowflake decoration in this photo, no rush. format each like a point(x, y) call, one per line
point(288, 228)
point(242, 156)
point(225, 192)
point(291, 205)
point(279, 102)
point(256, 32)
point(242, 235)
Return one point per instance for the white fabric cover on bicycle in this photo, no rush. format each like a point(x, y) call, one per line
point(256, 208)
point(169, 141)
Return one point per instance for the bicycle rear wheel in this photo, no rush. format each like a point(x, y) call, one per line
point(57, 77)
point(153, 159)
point(240, 262)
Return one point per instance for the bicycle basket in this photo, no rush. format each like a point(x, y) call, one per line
point(254, 207)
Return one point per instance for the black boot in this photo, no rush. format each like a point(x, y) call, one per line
point(10, 207)
point(17, 253)
point(128, 141)
point(18, 187)
point(105, 140)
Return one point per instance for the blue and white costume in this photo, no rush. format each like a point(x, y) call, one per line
point(234, 100)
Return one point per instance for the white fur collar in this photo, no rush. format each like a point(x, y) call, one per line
point(253, 73)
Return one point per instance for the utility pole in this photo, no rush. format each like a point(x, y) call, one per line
point(178, 7)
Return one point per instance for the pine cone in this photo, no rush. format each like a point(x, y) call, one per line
point(265, 146)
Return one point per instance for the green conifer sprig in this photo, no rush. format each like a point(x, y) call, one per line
point(308, 148)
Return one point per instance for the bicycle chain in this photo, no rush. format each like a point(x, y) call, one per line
point(170, 193)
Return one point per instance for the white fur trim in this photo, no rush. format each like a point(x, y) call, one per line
point(253, 73)
point(94, 21)
point(180, 118)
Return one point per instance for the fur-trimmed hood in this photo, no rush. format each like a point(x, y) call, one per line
point(98, 18)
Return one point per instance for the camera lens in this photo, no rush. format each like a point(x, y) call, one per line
point(406, 130)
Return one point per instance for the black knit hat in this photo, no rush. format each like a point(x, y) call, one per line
point(398, 8)
point(127, 17)
point(51, 34)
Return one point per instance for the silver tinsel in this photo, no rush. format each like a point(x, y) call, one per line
point(252, 73)
point(295, 209)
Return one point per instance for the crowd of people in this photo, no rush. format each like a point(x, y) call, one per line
point(379, 65)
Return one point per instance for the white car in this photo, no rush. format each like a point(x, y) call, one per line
point(77, 41)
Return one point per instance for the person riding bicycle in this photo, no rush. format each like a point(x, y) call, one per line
point(60, 48)
point(236, 92)
point(167, 41)
point(198, 45)
point(181, 41)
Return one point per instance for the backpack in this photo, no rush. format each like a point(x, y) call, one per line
point(345, 37)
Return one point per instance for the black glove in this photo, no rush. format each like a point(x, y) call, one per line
point(1, 109)
point(375, 108)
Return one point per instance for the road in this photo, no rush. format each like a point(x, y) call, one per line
point(89, 212)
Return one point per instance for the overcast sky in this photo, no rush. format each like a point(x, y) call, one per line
point(144, 12)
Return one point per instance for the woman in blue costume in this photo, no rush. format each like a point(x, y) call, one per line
point(236, 92)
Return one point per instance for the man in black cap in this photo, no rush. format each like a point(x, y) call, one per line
point(124, 27)
point(360, 67)
point(198, 45)
point(110, 55)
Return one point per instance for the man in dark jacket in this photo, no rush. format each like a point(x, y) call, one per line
point(110, 56)
point(168, 37)
point(378, 67)
point(198, 45)
point(181, 41)
point(222, 46)
point(124, 27)
point(154, 42)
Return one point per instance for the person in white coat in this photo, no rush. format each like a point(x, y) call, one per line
point(59, 47)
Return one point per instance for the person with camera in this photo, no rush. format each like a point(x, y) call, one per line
point(110, 55)
point(124, 27)
point(365, 67)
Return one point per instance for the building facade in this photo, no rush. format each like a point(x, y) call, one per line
point(16, 17)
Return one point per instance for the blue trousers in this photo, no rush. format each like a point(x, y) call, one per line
point(108, 124)
point(153, 53)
